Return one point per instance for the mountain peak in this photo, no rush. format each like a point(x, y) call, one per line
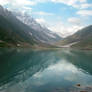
point(41, 33)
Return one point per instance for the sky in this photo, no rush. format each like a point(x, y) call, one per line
point(62, 16)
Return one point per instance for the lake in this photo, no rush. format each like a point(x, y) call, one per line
point(59, 70)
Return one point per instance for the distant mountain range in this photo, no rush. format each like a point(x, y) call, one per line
point(21, 30)
point(81, 39)
point(27, 32)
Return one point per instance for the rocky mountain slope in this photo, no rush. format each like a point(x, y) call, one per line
point(41, 33)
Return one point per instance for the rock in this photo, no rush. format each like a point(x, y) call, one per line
point(78, 85)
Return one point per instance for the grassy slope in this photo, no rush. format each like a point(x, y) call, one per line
point(85, 44)
point(83, 37)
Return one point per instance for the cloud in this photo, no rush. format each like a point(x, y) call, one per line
point(41, 20)
point(23, 2)
point(27, 8)
point(41, 1)
point(79, 4)
point(74, 21)
point(85, 12)
point(82, 6)
point(43, 13)
point(17, 2)
point(67, 2)
point(85, 5)
point(73, 3)
point(64, 30)
point(18, 5)
point(3, 2)
point(61, 28)
point(82, 1)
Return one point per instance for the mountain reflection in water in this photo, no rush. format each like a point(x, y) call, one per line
point(26, 70)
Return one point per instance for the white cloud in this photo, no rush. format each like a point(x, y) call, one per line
point(41, 1)
point(60, 27)
point(17, 2)
point(27, 8)
point(74, 21)
point(43, 13)
point(73, 3)
point(85, 12)
point(85, 5)
point(23, 2)
point(82, 1)
point(41, 20)
point(18, 5)
point(64, 30)
point(3, 2)
point(34, 2)
point(80, 4)
point(68, 2)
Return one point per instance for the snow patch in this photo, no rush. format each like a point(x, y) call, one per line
point(51, 35)
point(30, 33)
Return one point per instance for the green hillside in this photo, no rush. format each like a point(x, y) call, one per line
point(14, 32)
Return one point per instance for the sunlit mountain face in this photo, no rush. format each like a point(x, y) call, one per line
point(41, 33)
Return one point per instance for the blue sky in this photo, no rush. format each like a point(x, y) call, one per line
point(62, 16)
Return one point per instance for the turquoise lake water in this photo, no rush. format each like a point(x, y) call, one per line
point(61, 70)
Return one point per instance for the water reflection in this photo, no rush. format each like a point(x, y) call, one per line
point(24, 70)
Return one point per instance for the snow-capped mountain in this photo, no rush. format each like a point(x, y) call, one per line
point(40, 33)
